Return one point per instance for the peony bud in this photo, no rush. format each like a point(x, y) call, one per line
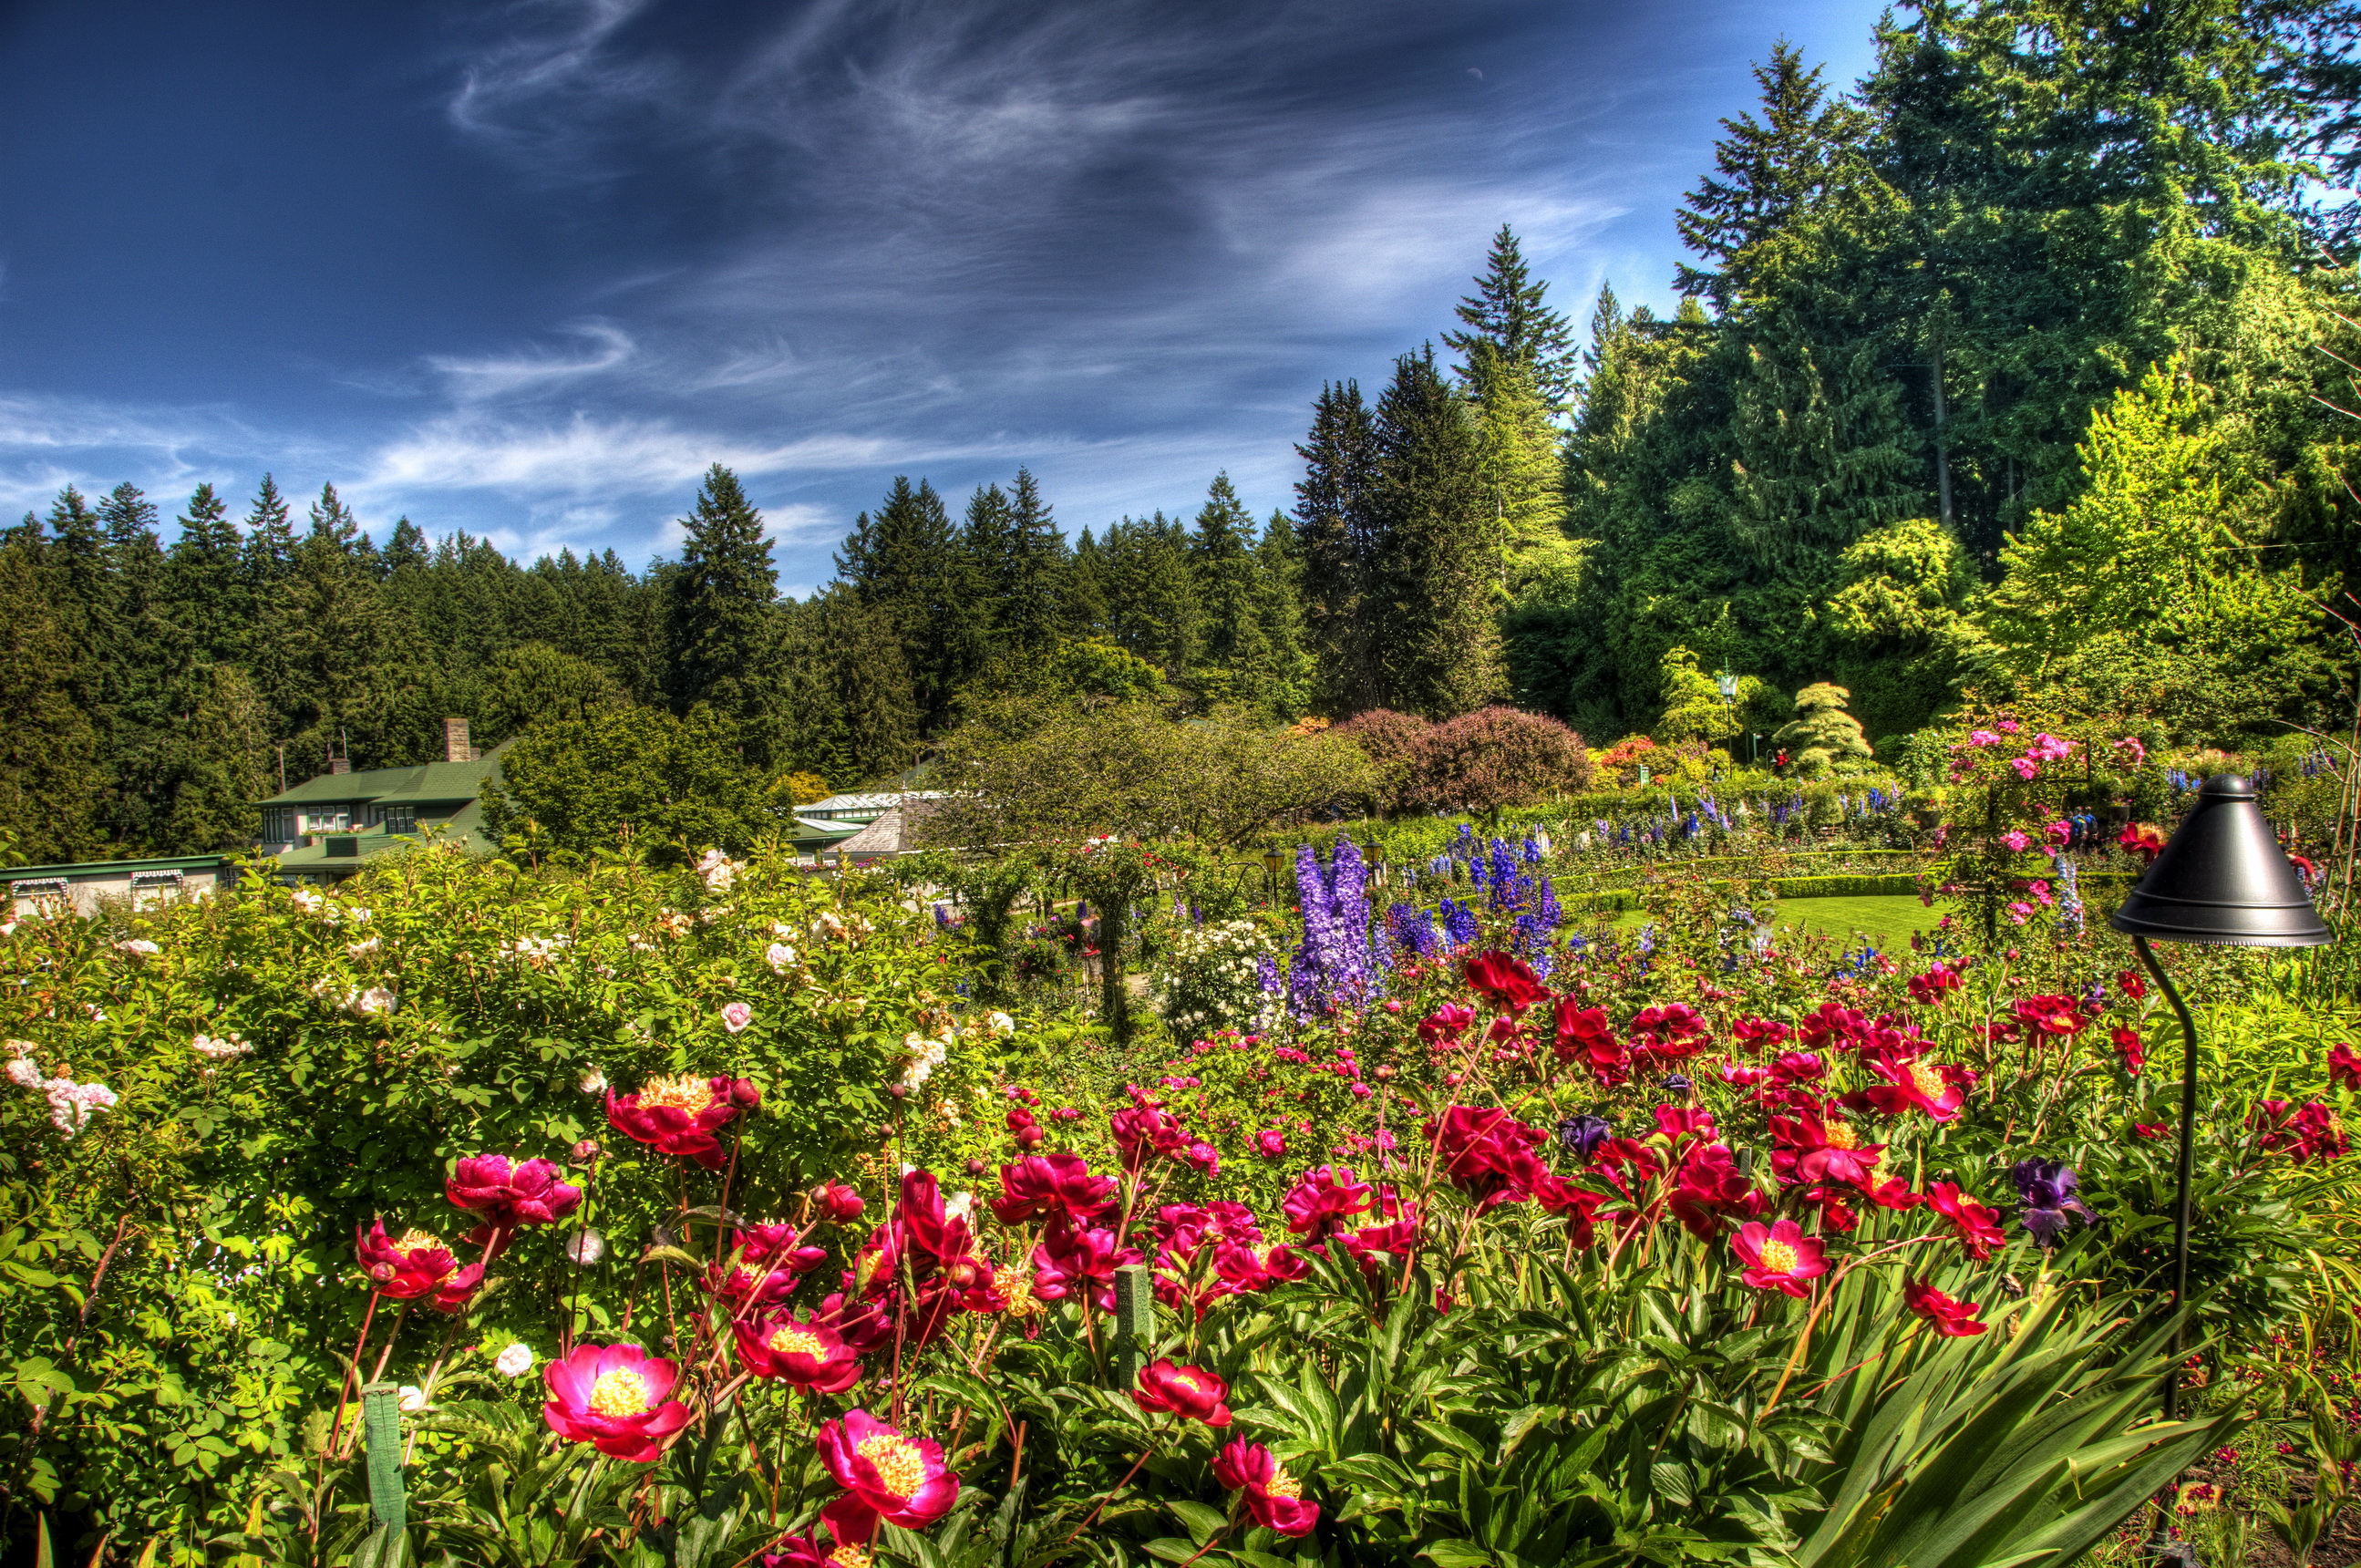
point(898, 1091)
point(977, 1168)
point(743, 1094)
point(1383, 1071)
point(586, 1151)
point(1029, 1138)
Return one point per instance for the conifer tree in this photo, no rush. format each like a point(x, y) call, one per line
point(205, 587)
point(1507, 316)
point(270, 539)
point(1336, 531)
point(1034, 585)
point(1770, 174)
point(903, 561)
point(1151, 595)
point(1223, 572)
point(718, 631)
point(50, 780)
point(1280, 604)
point(1437, 638)
point(1082, 595)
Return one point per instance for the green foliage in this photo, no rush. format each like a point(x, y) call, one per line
point(669, 788)
point(1823, 735)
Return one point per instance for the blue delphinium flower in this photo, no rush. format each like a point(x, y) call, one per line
point(1549, 910)
point(1333, 965)
point(1533, 944)
point(1459, 923)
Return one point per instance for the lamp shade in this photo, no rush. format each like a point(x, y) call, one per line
point(2223, 879)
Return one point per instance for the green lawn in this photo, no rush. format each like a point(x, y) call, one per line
point(1886, 921)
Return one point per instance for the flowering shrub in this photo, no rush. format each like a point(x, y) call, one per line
point(1210, 977)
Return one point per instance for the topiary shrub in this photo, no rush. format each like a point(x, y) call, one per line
point(1499, 757)
point(1395, 744)
point(1823, 738)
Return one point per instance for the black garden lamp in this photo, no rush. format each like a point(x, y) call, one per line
point(2223, 881)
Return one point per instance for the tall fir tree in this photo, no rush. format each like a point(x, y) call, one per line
point(204, 584)
point(49, 778)
point(1151, 594)
point(1336, 533)
point(1278, 575)
point(721, 634)
point(904, 561)
point(1033, 587)
point(1437, 642)
point(1507, 315)
point(1226, 576)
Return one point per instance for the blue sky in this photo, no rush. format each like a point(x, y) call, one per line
point(527, 269)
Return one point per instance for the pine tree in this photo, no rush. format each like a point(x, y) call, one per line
point(904, 561)
point(405, 548)
point(49, 779)
point(1774, 172)
point(1337, 534)
point(1437, 637)
point(1279, 606)
point(1517, 454)
point(205, 587)
point(1034, 586)
point(720, 636)
point(1151, 596)
point(1225, 575)
point(986, 561)
point(872, 732)
point(1507, 315)
point(1082, 611)
point(270, 539)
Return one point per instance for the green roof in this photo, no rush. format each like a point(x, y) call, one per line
point(427, 782)
point(466, 826)
point(110, 868)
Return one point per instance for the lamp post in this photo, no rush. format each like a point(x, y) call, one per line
point(1270, 863)
point(2222, 880)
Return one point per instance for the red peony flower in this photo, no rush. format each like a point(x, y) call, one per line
point(1445, 1023)
point(2050, 1014)
point(2344, 1067)
point(898, 1479)
point(1052, 1184)
point(1583, 1035)
point(1488, 1154)
point(1189, 1392)
point(2133, 985)
point(1952, 1319)
point(2127, 1041)
point(1504, 980)
point(1146, 1129)
point(2311, 1132)
point(614, 1397)
point(1762, 1034)
point(1317, 1206)
point(797, 1352)
point(1244, 1271)
point(415, 1266)
point(1672, 1033)
point(2141, 839)
point(678, 1115)
point(1069, 1259)
point(1779, 1257)
point(1812, 1150)
point(505, 1194)
point(1709, 1193)
point(1916, 1085)
point(839, 1204)
point(1274, 1498)
point(1931, 987)
point(1975, 1224)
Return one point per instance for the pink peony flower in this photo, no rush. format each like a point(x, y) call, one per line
point(616, 1398)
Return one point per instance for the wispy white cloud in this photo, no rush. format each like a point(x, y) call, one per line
point(604, 346)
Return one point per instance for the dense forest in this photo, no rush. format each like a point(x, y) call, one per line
point(2021, 366)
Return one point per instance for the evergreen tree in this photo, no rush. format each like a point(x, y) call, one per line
point(1151, 595)
point(49, 779)
point(1033, 586)
point(1437, 638)
point(1773, 173)
point(1506, 317)
point(1225, 573)
point(872, 732)
point(1278, 573)
point(904, 561)
point(270, 539)
point(1337, 534)
point(1083, 599)
point(205, 587)
point(1517, 456)
point(720, 635)
point(405, 548)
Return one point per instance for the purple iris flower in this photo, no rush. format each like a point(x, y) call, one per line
point(1581, 1135)
point(2047, 1189)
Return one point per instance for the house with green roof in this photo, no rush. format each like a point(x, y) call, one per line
point(327, 828)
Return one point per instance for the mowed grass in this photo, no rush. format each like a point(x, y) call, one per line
point(1883, 922)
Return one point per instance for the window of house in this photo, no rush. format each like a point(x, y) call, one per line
point(402, 819)
point(41, 887)
point(277, 824)
point(334, 819)
point(150, 889)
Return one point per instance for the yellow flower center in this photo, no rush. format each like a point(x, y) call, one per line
point(794, 1340)
point(1283, 1485)
point(1841, 1136)
point(1019, 1293)
point(413, 1243)
point(898, 1461)
point(1926, 1081)
point(849, 1556)
point(620, 1392)
point(1778, 1257)
point(1184, 1380)
point(687, 1092)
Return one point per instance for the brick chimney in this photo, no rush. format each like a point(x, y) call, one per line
point(454, 742)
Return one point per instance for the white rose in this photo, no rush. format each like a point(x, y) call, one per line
point(513, 1362)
